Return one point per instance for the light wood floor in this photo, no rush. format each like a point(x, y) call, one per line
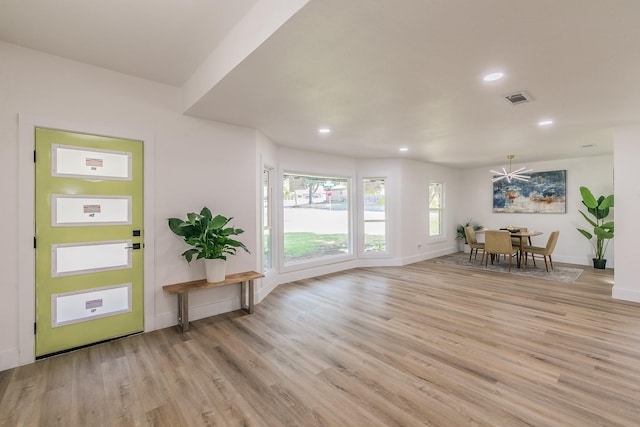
point(425, 344)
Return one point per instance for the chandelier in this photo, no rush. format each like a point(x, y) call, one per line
point(510, 176)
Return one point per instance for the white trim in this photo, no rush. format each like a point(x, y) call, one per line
point(201, 311)
point(26, 220)
point(442, 237)
point(328, 260)
point(625, 294)
point(270, 212)
point(316, 271)
point(362, 254)
point(425, 256)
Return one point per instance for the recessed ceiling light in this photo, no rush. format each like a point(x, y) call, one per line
point(404, 149)
point(545, 122)
point(324, 130)
point(493, 77)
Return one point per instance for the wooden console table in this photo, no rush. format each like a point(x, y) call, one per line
point(182, 290)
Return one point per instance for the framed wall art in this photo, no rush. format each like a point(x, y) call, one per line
point(545, 192)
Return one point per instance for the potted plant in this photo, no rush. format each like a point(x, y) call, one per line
point(462, 237)
point(598, 210)
point(211, 240)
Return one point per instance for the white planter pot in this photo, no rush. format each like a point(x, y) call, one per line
point(464, 247)
point(216, 270)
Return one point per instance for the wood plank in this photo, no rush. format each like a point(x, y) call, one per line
point(423, 344)
point(193, 285)
point(121, 396)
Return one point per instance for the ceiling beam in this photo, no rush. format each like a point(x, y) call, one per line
point(262, 20)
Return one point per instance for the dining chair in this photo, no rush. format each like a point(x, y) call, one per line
point(544, 251)
point(516, 240)
point(472, 241)
point(498, 243)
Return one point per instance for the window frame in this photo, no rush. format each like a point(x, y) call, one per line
point(361, 238)
point(267, 223)
point(442, 236)
point(290, 266)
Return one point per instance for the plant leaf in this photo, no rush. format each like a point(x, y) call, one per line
point(601, 213)
point(607, 226)
point(219, 221)
point(602, 234)
point(175, 225)
point(188, 254)
point(585, 233)
point(587, 198)
point(205, 212)
point(606, 203)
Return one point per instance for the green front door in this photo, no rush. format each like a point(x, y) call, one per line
point(88, 238)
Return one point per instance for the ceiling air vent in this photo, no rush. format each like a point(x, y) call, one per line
point(518, 98)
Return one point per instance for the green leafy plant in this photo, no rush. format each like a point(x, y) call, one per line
point(209, 235)
point(460, 229)
point(598, 210)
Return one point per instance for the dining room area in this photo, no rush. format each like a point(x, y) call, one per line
point(513, 243)
point(515, 250)
point(532, 226)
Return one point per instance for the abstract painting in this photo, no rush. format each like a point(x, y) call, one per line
point(545, 192)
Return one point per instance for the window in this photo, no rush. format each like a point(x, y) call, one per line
point(436, 209)
point(374, 215)
point(267, 228)
point(316, 217)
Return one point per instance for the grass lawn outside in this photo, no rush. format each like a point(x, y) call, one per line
point(304, 245)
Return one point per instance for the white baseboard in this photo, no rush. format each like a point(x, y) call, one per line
point(341, 266)
point(9, 359)
point(428, 255)
point(625, 294)
point(380, 262)
point(213, 309)
point(266, 289)
point(316, 271)
point(165, 320)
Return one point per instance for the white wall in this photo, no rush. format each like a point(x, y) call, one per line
point(627, 206)
point(267, 156)
point(197, 163)
point(595, 173)
point(189, 162)
point(416, 244)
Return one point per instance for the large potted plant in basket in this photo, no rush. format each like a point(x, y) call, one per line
point(210, 239)
point(598, 210)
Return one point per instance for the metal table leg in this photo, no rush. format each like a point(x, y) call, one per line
point(246, 287)
point(183, 311)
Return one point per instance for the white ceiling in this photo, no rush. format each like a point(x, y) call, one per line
point(381, 74)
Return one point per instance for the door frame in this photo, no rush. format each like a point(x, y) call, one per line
point(26, 221)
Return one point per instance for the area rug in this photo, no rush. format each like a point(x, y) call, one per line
point(558, 274)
